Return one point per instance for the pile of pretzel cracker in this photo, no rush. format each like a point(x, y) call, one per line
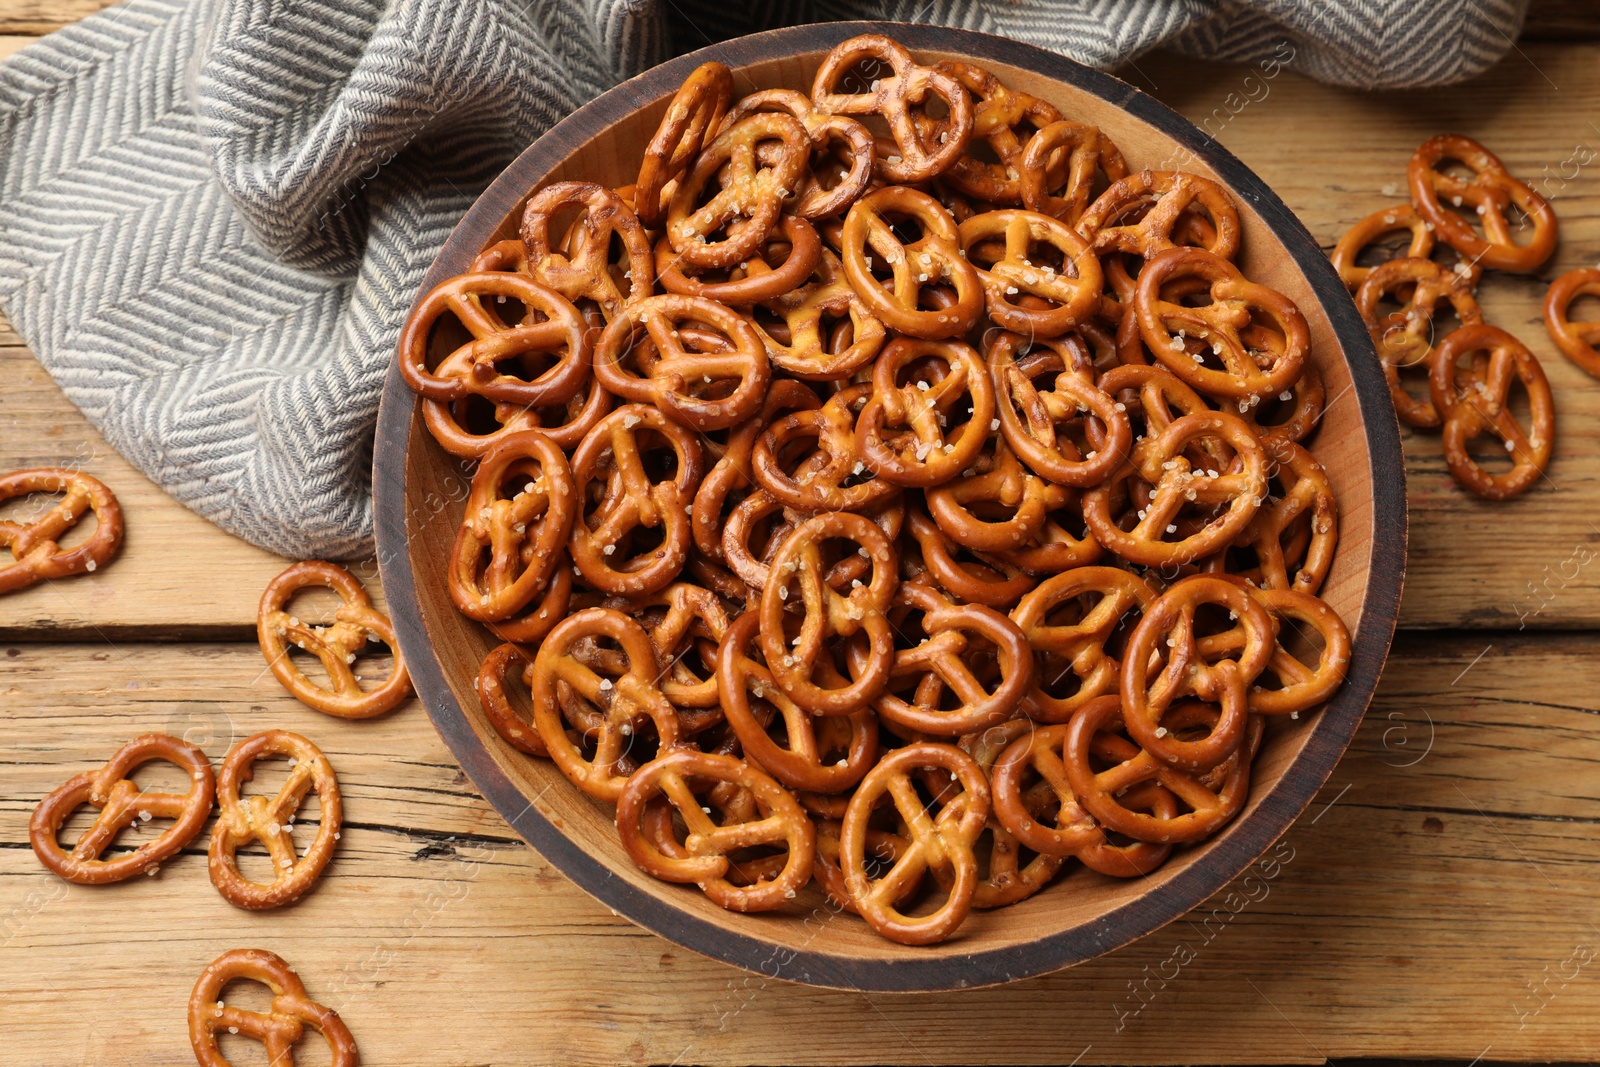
point(1467, 214)
point(889, 488)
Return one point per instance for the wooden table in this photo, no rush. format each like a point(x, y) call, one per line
point(1436, 902)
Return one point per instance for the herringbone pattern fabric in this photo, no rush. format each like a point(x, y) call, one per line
point(214, 213)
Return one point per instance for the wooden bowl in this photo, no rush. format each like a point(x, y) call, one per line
point(419, 491)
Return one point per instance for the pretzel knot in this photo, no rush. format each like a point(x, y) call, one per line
point(1066, 156)
point(1301, 686)
point(826, 754)
point(35, 549)
point(825, 613)
point(550, 331)
point(278, 1028)
point(1576, 340)
point(1476, 402)
point(732, 471)
point(518, 517)
point(1404, 338)
point(997, 504)
point(241, 820)
point(693, 116)
point(805, 310)
point(681, 618)
point(932, 258)
point(622, 707)
point(833, 476)
point(1068, 620)
point(517, 730)
point(1257, 334)
point(1401, 218)
point(617, 496)
point(122, 805)
point(975, 576)
point(1071, 294)
point(962, 642)
point(903, 431)
point(1000, 117)
point(812, 201)
point(1490, 192)
point(586, 274)
point(1038, 424)
point(704, 856)
point(1167, 635)
point(1165, 463)
point(1143, 214)
point(938, 840)
point(751, 185)
point(723, 382)
point(356, 622)
point(896, 94)
point(1211, 799)
point(1299, 529)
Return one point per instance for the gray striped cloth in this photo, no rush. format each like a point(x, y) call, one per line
point(214, 214)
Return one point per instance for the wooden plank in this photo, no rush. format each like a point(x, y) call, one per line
point(1407, 914)
point(1336, 156)
point(1561, 20)
point(35, 17)
point(177, 574)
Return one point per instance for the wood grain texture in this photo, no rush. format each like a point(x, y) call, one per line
point(1405, 914)
point(1336, 156)
point(35, 17)
point(177, 574)
point(1561, 20)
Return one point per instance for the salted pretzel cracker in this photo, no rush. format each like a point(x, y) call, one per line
point(1576, 340)
point(896, 98)
point(35, 547)
point(586, 275)
point(942, 839)
point(625, 703)
point(934, 258)
point(123, 804)
point(826, 613)
point(1489, 192)
point(241, 820)
point(1256, 359)
point(1400, 218)
point(702, 857)
point(812, 201)
point(998, 114)
point(550, 329)
point(518, 516)
point(613, 453)
point(279, 1028)
point(1068, 619)
point(1476, 402)
point(1405, 338)
point(1212, 799)
point(733, 362)
point(902, 432)
point(693, 116)
point(957, 638)
point(1083, 151)
point(1072, 292)
point(750, 192)
point(356, 622)
point(1168, 630)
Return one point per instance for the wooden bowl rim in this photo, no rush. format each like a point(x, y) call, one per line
point(1224, 859)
